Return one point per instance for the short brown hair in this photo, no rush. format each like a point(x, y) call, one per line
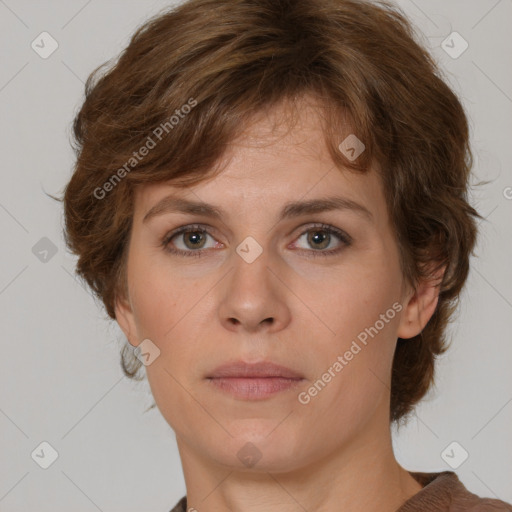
point(227, 60)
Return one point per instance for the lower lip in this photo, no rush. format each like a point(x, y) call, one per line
point(256, 388)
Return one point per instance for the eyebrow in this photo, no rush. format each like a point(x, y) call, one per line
point(173, 204)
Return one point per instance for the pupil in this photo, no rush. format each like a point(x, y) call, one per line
point(318, 239)
point(195, 237)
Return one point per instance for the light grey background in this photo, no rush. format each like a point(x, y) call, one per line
point(60, 379)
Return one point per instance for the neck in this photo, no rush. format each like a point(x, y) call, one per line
point(360, 475)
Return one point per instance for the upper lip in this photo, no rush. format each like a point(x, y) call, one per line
point(248, 370)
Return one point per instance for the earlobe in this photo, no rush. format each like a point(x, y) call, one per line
point(125, 319)
point(420, 306)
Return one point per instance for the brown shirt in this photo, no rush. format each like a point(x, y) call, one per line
point(442, 492)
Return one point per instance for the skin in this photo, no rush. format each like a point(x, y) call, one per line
point(288, 306)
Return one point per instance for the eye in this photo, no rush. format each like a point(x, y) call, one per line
point(320, 237)
point(190, 241)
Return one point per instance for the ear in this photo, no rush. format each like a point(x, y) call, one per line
point(126, 320)
point(420, 306)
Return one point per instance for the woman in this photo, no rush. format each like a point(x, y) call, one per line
point(270, 198)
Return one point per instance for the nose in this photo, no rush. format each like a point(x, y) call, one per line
point(254, 297)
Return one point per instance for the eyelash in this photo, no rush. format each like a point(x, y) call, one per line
point(197, 228)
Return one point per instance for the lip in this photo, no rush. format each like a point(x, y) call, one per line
point(255, 381)
point(262, 369)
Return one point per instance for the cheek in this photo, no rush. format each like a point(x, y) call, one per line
point(159, 298)
point(341, 303)
point(352, 372)
point(357, 315)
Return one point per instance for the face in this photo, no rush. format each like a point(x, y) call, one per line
point(318, 291)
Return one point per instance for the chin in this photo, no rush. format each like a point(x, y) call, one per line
point(261, 449)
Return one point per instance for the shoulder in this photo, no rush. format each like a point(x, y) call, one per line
point(444, 492)
point(181, 506)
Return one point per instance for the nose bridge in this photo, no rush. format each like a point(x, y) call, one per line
point(251, 273)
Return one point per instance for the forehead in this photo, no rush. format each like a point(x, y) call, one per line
point(279, 157)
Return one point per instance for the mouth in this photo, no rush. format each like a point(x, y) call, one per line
point(255, 381)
